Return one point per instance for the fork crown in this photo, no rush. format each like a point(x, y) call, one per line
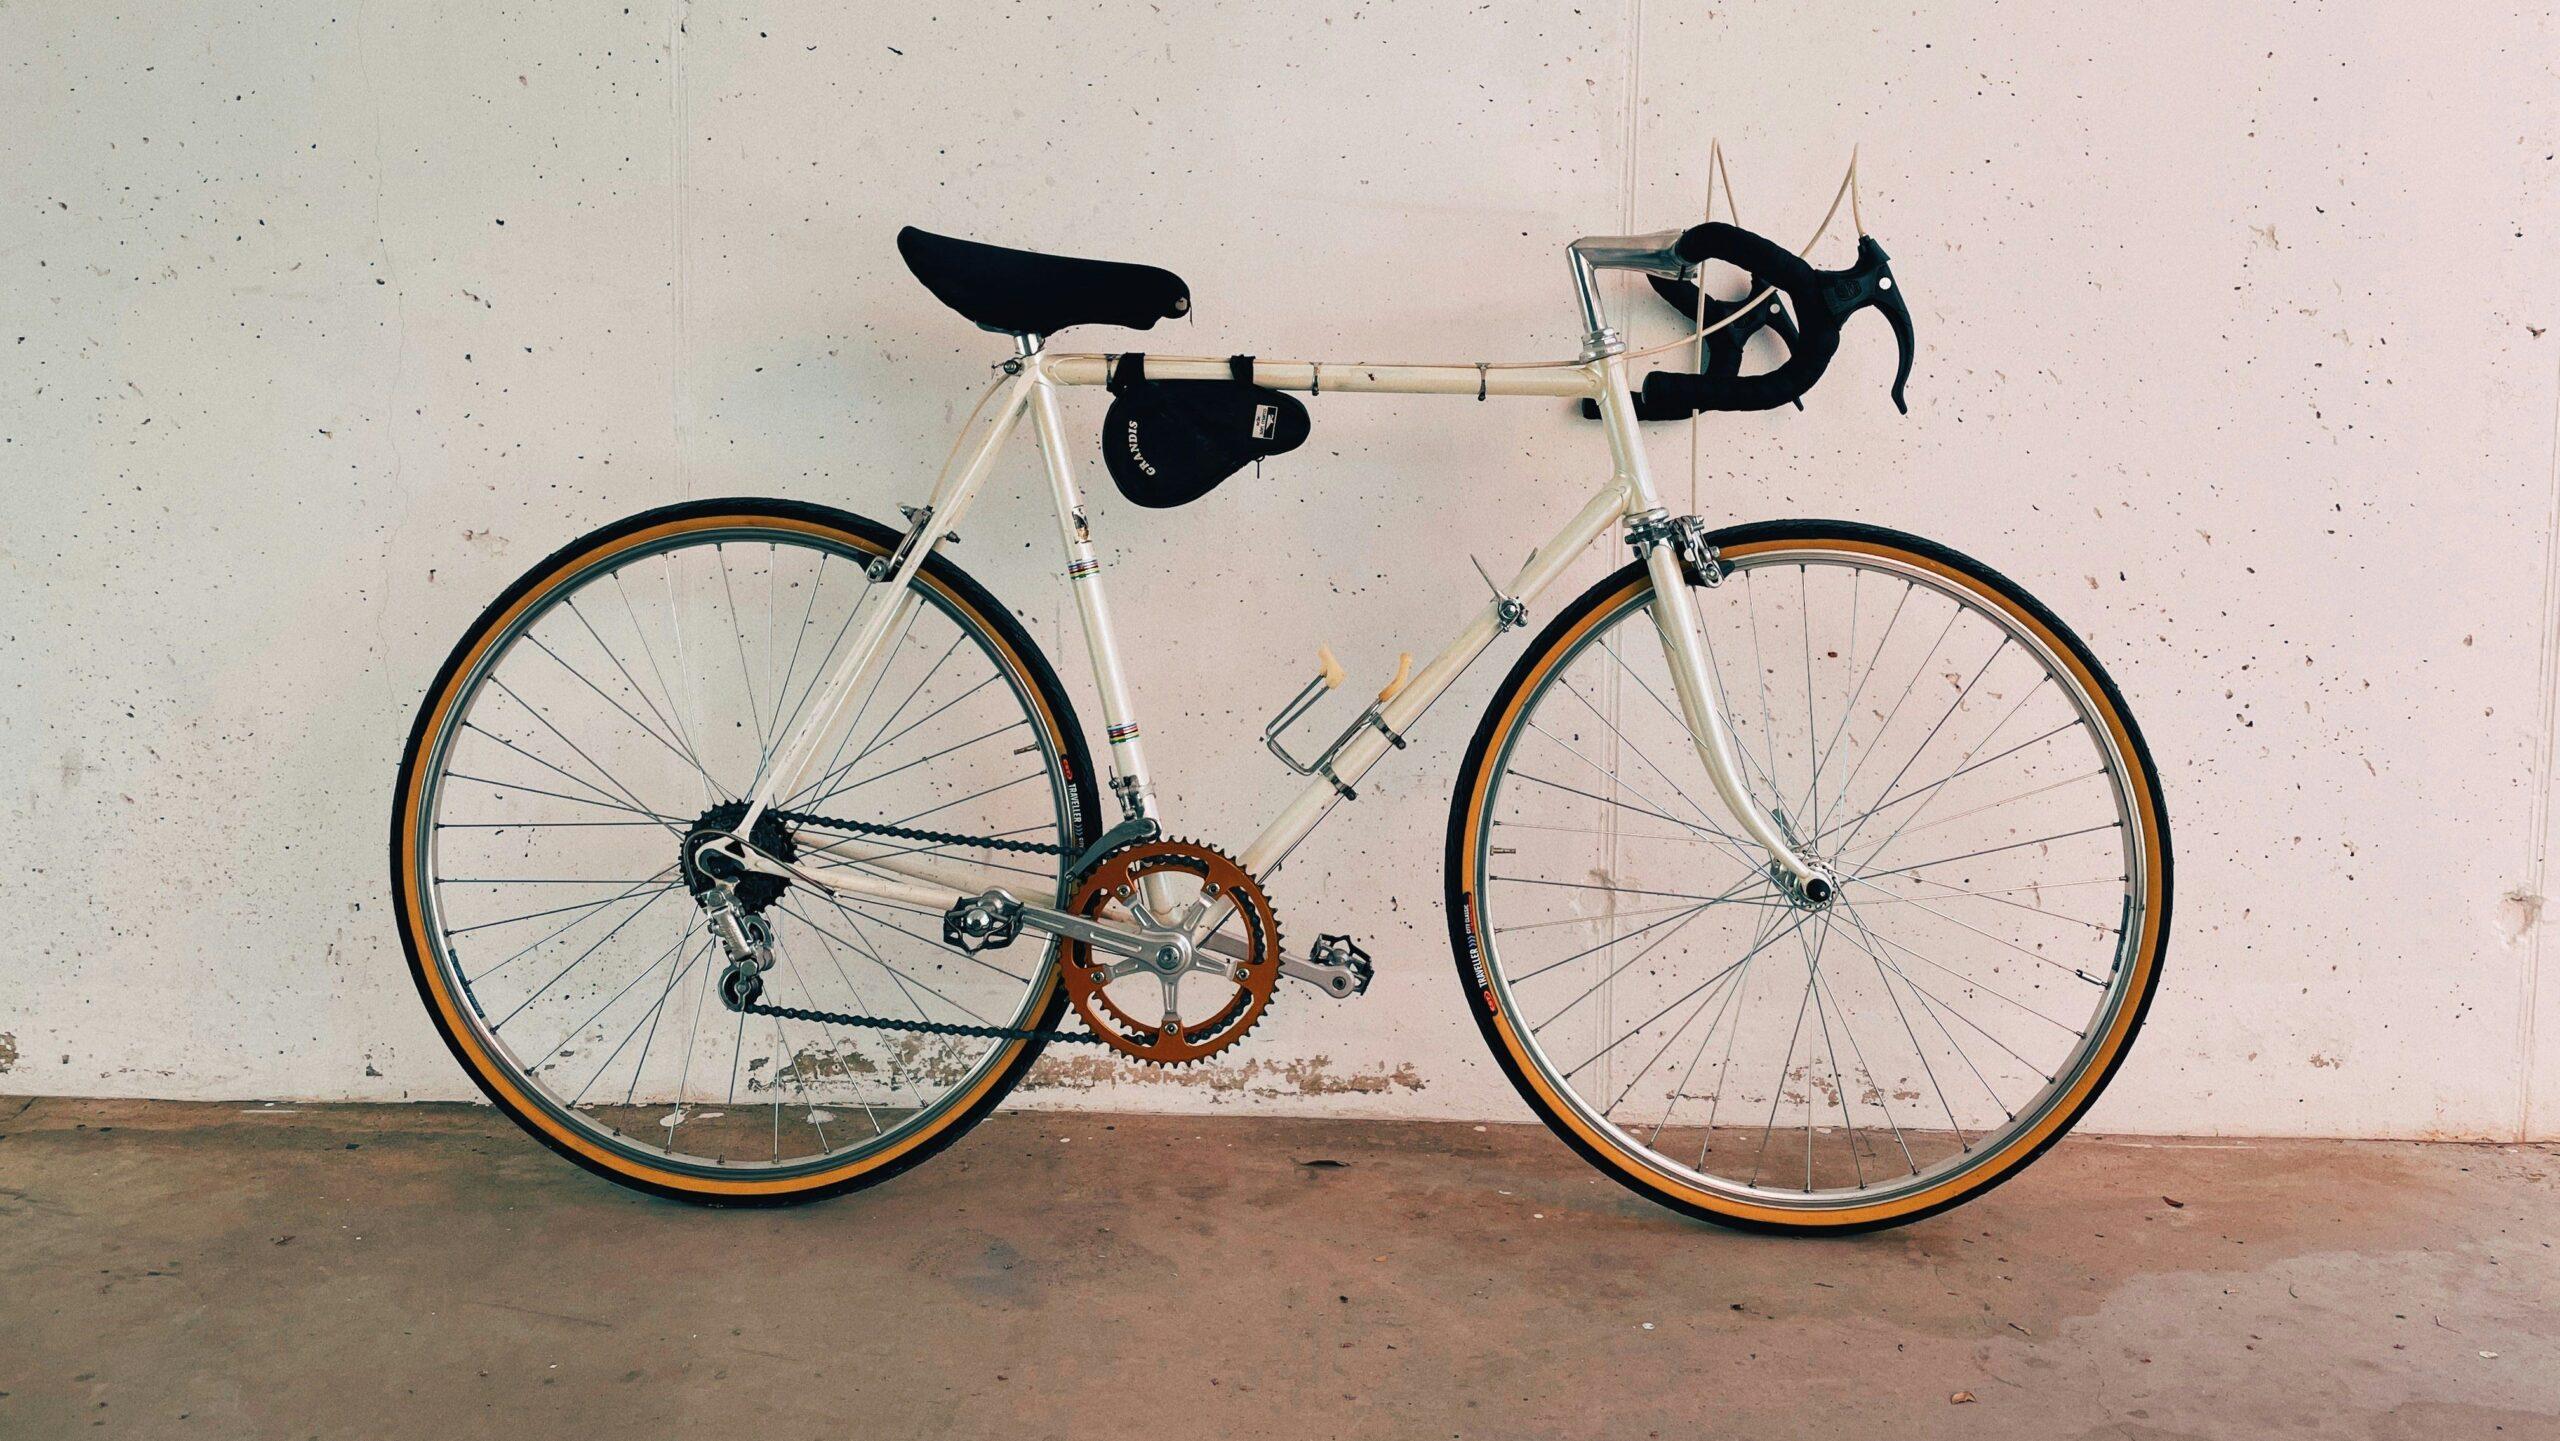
point(1686, 535)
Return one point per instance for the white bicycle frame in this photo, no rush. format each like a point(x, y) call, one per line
point(895, 875)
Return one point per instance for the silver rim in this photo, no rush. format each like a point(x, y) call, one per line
point(1956, 776)
point(627, 701)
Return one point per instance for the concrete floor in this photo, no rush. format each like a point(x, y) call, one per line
point(395, 1272)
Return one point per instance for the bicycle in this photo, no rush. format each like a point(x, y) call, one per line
point(1927, 875)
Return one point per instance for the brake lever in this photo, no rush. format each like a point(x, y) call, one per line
point(1724, 345)
point(1871, 282)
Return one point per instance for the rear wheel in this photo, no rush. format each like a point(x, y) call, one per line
point(1696, 1027)
point(626, 692)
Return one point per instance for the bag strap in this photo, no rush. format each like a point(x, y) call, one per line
point(1130, 371)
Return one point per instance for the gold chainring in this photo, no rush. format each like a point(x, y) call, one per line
point(1195, 883)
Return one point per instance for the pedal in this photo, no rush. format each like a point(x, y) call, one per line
point(1337, 966)
point(984, 922)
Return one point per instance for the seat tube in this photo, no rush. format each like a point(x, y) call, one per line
point(1130, 782)
point(1675, 618)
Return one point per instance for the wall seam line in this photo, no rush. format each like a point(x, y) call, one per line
point(679, 177)
point(1635, 113)
point(2538, 839)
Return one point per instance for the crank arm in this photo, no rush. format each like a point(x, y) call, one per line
point(848, 880)
point(1336, 978)
point(1101, 935)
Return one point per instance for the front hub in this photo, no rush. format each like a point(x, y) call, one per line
point(1813, 893)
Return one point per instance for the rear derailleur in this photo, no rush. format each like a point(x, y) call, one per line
point(746, 937)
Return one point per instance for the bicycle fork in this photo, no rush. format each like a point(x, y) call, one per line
point(1673, 549)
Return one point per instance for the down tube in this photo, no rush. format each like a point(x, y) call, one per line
point(1546, 563)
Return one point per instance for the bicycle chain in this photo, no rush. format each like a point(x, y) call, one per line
point(891, 1023)
point(902, 833)
point(930, 1028)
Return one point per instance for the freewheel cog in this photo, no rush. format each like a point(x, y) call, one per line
point(755, 889)
point(1184, 1002)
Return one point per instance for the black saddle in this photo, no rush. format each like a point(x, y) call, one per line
point(1022, 292)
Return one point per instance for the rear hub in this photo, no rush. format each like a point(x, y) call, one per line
point(755, 890)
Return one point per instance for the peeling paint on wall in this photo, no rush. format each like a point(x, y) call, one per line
point(1259, 1079)
point(2519, 911)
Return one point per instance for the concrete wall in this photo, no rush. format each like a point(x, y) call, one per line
point(324, 322)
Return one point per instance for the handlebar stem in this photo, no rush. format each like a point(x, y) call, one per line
point(1653, 254)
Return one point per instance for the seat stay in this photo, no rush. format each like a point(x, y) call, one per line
point(885, 604)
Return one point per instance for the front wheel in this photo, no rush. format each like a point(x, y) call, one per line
point(1936, 739)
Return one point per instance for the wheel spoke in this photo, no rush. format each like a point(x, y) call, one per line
point(746, 677)
point(674, 713)
point(618, 787)
point(1995, 850)
point(683, 745)
point(1884, 1099)
point(1935, 791)
point(1884, 727)
point(1706, 822)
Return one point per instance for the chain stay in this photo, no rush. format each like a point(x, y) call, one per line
point(890, 1023)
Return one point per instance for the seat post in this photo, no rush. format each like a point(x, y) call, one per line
point(1027, 345)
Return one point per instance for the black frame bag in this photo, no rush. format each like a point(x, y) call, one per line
point(1170, 442)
